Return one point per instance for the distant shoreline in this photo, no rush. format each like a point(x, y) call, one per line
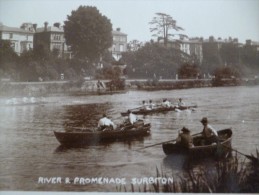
point(86, 87)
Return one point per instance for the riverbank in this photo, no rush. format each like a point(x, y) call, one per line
point(106, 86)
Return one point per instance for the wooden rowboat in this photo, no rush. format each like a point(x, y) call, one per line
point(75, 138)
point(142, 111)
point(201, 151)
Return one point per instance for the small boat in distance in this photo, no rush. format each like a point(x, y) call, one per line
point(202, 151)
point(89, 137)
point(141, 111)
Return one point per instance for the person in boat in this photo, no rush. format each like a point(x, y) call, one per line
point(132, 118)
point(104, 123)
point(145, 105)
point(180, 103)
point(184, 138)
point(166, 103)
point(151, 105)
point(209, 134)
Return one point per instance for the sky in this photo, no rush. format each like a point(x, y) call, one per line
point(199, 18)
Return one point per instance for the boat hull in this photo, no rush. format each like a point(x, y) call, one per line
point(95, 138)
point(157, 110)
point(214, 150)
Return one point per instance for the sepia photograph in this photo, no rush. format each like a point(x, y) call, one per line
point(109, 96)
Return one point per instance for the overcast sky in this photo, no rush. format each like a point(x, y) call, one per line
point(200, 18)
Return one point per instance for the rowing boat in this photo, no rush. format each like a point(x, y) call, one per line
point(93, 137)
point(201, 151)
point(142, 111)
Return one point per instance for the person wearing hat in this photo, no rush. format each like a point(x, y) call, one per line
point(104, 123)
point(184, 138)
point(208, 132)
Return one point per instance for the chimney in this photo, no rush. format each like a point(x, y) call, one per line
point(235, 40)
point(211, 39)
point(34, 27)
point(57, 24)
point(45, 26)
point(118, 29)
point(248, 42)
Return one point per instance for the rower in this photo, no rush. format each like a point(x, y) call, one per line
point(145, 105)
point(209, 133)
point(180, 103)
point(184, 138)
point(104, 123)
point(132, 117)
point(151, 105)
point(166, 103)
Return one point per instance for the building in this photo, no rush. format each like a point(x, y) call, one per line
point(196, 49)
point(119, 44)
point(21, 38)
point(52, 39)
point(191, 47)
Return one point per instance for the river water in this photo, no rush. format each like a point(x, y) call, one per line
point(29, 149)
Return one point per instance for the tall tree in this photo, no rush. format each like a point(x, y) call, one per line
point(88, 32)
point(162, 25)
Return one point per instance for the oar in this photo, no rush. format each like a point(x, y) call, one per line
point(164, 142)
point(135, 108)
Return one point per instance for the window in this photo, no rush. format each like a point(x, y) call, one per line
point(11, 35)
point(121, 48)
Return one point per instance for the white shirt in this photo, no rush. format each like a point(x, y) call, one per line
point(181, 104)
point(151, 105)
point(146, 106)
point(166, 104)
point(105, 122)
point(132, 118)
point(209, 130)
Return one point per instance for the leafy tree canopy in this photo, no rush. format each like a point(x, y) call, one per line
point(153, 60)
point(7, 53)
point(188, 71)
point(88, 32)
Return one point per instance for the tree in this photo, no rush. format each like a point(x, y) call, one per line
point(134, 45)
point(153, 60)
point(88, 33)
point(188, 71)
point(7, 53)
point(163, 24)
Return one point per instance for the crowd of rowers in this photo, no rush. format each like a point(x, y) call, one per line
point(105, 122)
point(165, 104)
point(209, 134)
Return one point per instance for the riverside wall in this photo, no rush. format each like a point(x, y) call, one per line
point(92, 86)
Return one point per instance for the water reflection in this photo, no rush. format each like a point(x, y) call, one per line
point(84, 116)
